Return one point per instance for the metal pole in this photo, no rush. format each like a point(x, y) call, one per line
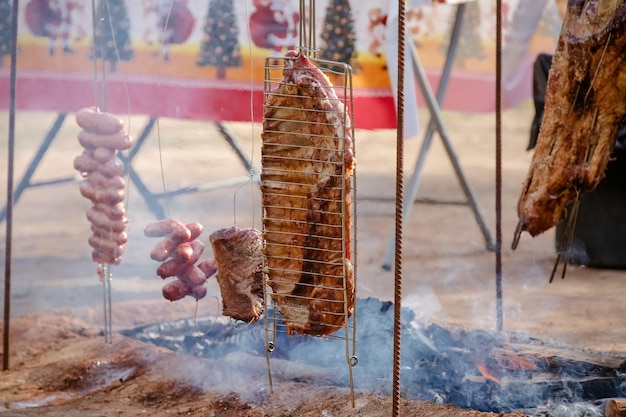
point(10, 168)
point(397, 316)
point(498, 266)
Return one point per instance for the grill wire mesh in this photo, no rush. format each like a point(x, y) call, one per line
point(309, 213)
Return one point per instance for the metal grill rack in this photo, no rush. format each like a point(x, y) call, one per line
point(308, 182)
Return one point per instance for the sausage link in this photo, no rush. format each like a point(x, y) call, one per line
point(163, 250)
point(175, 290)
point(107, 246)
point(92, 119)
point(104, 155)
point(171, 228)
point(192, 276)
point(101, 181)
point(197, 247)
point(174, 267)
point(171, 268)
point(183, 252)
point(109, 196)
point(100, 219)
point(120, 238)
point(198, 292)
point(86, 162)
point(113, 212)
point(87, 190)
point(112, 168)
point(100, 195)
point(196, 229)
point(118, 141)
point(208, 267)
point(105, 258)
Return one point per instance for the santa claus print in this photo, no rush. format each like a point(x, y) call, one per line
point(54, 19)
point(167, 22)
point(274, 24)
point(377, 26)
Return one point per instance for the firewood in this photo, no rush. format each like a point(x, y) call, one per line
point(615, 408)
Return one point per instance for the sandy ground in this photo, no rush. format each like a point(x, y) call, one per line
point(448, 274)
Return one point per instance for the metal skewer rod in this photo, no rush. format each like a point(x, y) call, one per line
point(104, 268)
point(106, 286)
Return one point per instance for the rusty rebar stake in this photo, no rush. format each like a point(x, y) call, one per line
point(397, 319)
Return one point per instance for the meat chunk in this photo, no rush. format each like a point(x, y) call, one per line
point(307, 164)
point(585, 105)
point(239, 263)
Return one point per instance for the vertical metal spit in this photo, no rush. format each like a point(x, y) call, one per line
point(341, 76)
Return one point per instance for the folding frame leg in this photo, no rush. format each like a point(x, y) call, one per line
point(232, 141)
point(149, 197)
point(436, 123)
point(32, 167)
point(152, 199)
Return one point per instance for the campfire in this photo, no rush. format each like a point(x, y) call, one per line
point(477, 369)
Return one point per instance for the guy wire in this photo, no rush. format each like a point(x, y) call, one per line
point(251, 171)
point(94, 22)
point(252, 131)
point(397, 321)
point(117, 56)
point(158, 102)
point(125, 84)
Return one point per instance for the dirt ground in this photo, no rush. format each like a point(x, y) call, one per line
point(60, 366)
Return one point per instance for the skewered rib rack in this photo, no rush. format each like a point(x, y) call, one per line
point(308, 184)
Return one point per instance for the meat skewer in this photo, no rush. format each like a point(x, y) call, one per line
point(178, 252)
point(103, 183)
point(103, 136)
point(585, 106)
point(307, 159)
point(239, 264)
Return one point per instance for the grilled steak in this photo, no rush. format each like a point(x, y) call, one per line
point(307, 163)
point(239, 272)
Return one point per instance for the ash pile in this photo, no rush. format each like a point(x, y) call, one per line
point(471, 368)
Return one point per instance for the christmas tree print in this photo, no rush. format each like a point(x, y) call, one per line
point(338, 33)
point(112, 34)
point(5, 29)
point(220, 47)
point(470, 43)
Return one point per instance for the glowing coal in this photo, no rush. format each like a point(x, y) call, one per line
point(475, 369)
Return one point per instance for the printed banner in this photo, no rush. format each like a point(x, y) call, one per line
point(204, 59)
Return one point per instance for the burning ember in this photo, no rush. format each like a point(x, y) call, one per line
point(475, 369)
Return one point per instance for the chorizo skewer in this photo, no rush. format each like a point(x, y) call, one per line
point(102, 137)
point(178, 252)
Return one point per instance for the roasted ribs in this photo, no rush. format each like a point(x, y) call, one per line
point(585, 106)
point(307, 164)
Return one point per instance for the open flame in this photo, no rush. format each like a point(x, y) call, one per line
point(485, 372)
point(477, 369)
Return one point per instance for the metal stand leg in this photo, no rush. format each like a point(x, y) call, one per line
point(232, 141)
point(43, 148)
point(152, 199)
point(148, 196)
point(436, 123)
